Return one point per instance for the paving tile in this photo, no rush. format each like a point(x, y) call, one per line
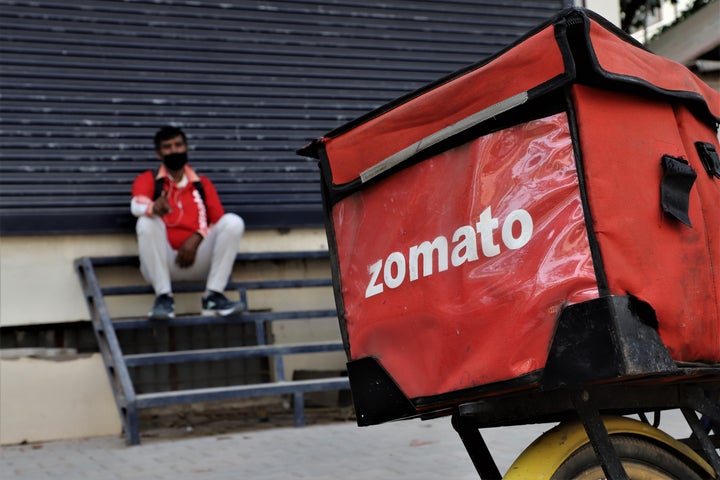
point(410, 449)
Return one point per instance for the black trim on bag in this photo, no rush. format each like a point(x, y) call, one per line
point(525, 381)
point(378, 399)
point(334, 259)
point(445, 133)
point(595, 253)
point(437, 83)
point(546, 100)
point(591, 73)
point(568, 17)
point(313, 148)
point(572, 34)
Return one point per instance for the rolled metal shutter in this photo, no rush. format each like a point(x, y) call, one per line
point(86, 84)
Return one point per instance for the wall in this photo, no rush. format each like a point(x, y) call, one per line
point(56, 397)
point(45, 396)
point(37, 272)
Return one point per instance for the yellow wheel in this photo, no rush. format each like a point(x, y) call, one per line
point(641, 459)
point(565, 453)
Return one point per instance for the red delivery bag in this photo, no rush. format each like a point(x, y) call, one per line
point(548, 217)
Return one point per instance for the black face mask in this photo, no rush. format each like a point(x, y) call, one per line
point(175, 161)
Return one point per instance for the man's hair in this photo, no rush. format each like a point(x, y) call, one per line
point(166, 133)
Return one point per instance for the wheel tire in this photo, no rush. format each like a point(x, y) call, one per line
point(641, 459)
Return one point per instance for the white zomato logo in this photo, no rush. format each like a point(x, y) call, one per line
point(463, 247)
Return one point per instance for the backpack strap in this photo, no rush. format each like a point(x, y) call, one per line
point(201, 190)
point(160, 182)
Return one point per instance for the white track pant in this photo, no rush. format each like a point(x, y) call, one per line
point(213, 262)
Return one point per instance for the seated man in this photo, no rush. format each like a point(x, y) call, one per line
point(182, 229)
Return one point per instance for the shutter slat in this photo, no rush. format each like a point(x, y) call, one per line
point(85, 85)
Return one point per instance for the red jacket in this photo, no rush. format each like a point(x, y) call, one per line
point(189, 213)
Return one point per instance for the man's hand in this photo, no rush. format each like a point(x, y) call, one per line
point(161, 206)
point(187, 251)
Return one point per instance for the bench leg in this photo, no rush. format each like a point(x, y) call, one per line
point(299, 409)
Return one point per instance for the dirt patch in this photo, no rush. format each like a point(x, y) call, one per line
point(217, 418)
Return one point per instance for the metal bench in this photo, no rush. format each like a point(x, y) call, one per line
point(118, 363)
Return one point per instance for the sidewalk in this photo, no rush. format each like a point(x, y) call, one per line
point(410, 449)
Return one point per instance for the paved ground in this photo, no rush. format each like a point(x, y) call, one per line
point(410, 449)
